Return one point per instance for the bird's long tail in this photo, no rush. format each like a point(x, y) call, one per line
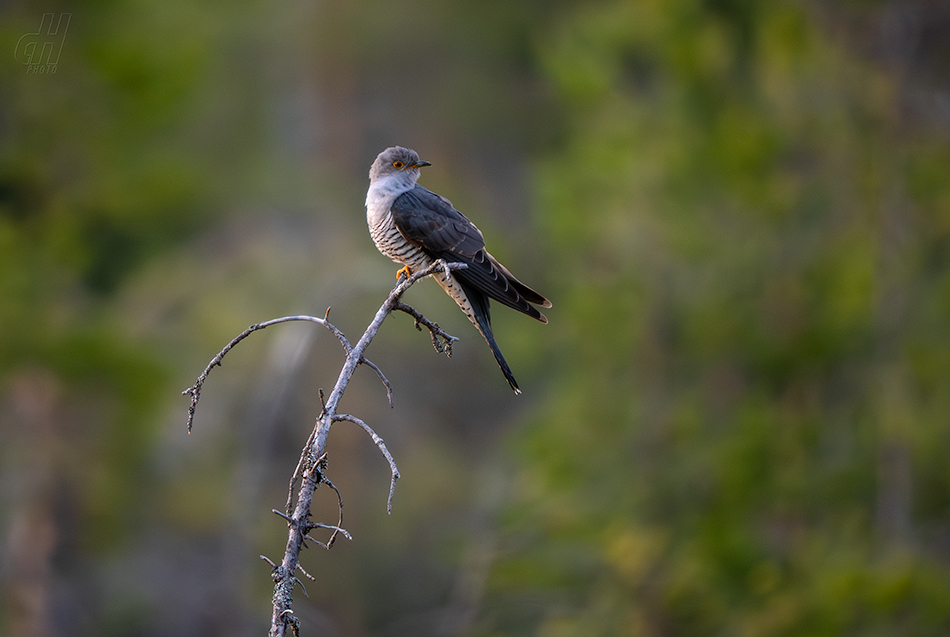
point(502, 363)
point(479, 313)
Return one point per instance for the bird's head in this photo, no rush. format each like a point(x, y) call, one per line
point(398, 162)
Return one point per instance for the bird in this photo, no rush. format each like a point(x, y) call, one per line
point(415, 227)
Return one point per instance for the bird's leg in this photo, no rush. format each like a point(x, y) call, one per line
point(403, 270)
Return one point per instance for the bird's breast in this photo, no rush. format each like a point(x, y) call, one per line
point(391, 243)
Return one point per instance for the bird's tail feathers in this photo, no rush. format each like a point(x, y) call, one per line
point(502, 363)
point(482, 311)
point(527, 293)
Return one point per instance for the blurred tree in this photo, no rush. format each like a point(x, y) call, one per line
point(125, 150)
point(747, 425)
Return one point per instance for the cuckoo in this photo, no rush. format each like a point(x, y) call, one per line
point(414, 226)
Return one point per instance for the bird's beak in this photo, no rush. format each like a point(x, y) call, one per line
point(420, 164)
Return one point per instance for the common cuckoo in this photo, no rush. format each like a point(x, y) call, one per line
point(414, 226)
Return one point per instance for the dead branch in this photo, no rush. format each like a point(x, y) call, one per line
point(382, 447)
point(311, 468)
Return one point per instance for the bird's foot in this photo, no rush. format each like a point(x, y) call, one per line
point(403, 270)
point(446, 269)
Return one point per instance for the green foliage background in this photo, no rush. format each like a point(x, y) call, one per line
point(742, 437)
point(736, 422)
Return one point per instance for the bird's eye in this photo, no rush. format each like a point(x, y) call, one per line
point(398, 164)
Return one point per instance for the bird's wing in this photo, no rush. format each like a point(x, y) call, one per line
point(430, 222)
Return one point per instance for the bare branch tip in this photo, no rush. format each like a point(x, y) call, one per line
point(297, 581)
point(283, 515)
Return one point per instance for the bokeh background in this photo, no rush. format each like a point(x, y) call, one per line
point(736, 423)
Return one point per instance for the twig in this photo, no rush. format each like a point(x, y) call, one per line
point(283, 515)
point(195, 390)
point(339, 523)
point(382, 377)
point(382, 447)
point(441, 341)
point(342, 531)
point(313, 525)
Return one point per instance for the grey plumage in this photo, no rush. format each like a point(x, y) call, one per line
point(414, 226)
